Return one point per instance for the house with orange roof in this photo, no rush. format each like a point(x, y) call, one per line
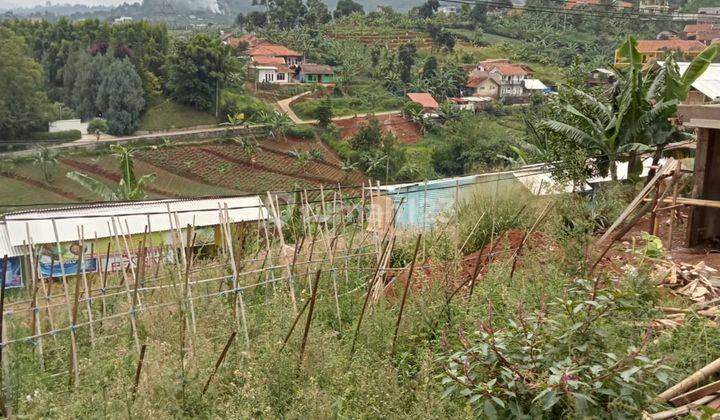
point(272, 63)
point(510, 76)
point(482, 85)
point(427, 101)
point(655, 49)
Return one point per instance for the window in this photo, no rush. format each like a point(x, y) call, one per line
point(269, 77)
point(281, 76)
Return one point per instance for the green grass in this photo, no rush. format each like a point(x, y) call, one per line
point(361, 99)
point(164, 114)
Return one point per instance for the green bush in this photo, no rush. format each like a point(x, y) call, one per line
point(58, 135)
point(233, 104)
point(300, 131)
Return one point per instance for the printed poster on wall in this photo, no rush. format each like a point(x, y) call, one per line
point(49, 260)
point(13, 275)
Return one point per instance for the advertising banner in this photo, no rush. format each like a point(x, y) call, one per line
point(49, 260)
point(13, 275)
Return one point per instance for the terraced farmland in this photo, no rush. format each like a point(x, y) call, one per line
point(199, 170)
point(390, 38)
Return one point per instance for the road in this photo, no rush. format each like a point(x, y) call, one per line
point(283, 106)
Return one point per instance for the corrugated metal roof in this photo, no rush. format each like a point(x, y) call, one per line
point(708, 83)
point(534, 84)
point(97, 219)
point(6, 247)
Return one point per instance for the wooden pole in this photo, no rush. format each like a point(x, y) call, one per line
point(74, 368)
point(691, 381)
point(37, 321)
point(3, 361)
point(676, 176)
point(310, 314)
point(219, 361)
point(133, 324)
point(88, 297)
point(238, 291)
point(138, 371)
point(405, 292)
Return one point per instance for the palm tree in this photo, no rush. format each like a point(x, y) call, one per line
point(129, 189)
point(275, 122)
point(46, 160)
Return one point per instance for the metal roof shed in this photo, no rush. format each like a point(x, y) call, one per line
point(98, 219)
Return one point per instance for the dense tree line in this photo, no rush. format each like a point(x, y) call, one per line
point(91, 69)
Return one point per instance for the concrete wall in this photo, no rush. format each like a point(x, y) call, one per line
point(66, 125)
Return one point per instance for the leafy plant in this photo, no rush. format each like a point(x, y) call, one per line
point(129, 188)
point(46, 160)
point(97, 127)
point(555, 362)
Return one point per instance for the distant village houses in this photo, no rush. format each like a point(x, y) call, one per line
point(706, 33)
point(500, 79)
point(655, 49)
point(278, 64)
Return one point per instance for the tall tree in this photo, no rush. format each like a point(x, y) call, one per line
point(428, 9)
point(318, 13)
point(406, 60)
point(286, 14)
point(120, 97)
point(90, 74)
point(430, 67)
point(347, 8)
point(22, 103)
point(196, 70)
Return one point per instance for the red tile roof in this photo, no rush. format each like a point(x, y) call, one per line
point(708, 36)
point(507, 69)
point(424, 99)
point(698, 27)
point(268, 61)
point(683, 45)
point(475, 81)
point(273, 51)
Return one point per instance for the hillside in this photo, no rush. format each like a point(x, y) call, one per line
point(214, 168)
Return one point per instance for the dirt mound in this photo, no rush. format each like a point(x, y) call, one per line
point(504, 247)
point(406, 131)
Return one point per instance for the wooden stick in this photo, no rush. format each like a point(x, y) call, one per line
point(62, 269)
point(676, 175)
point(3, 361)
point(37, 321)
point(88, 304)
point(371, 282)
point(74, 368)
point(682, 410)
point(310, 314)
point(527, 235)
point(219, 361)
point(405, 292)
point(138, 371)
point(696, 394)
point(238, 291)
point(691, 381)
point(278, 225)
point(133, 324)
point(294, 324)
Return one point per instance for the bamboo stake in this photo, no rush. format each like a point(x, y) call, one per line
point(405, 293)
point(44, 289)
point(3, 360)
point(310, 314)
point(74, 368)
point(62, 269)
point(88, 304)
point(219, 361)
point(682, 410)
point(133, 324)
point(102, 271)
point(691, 381)
point(294, 324)
point(138, 371)
point(676, 175)
point(276, 216)
point(238, 290)
point(37, 321)
point(187, 258)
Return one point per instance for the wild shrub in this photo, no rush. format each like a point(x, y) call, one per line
point(561, 361)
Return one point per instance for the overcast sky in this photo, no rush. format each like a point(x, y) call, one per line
point(30, 3)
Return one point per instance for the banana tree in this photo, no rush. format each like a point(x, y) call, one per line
point(650, 98)
point(129, 188)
